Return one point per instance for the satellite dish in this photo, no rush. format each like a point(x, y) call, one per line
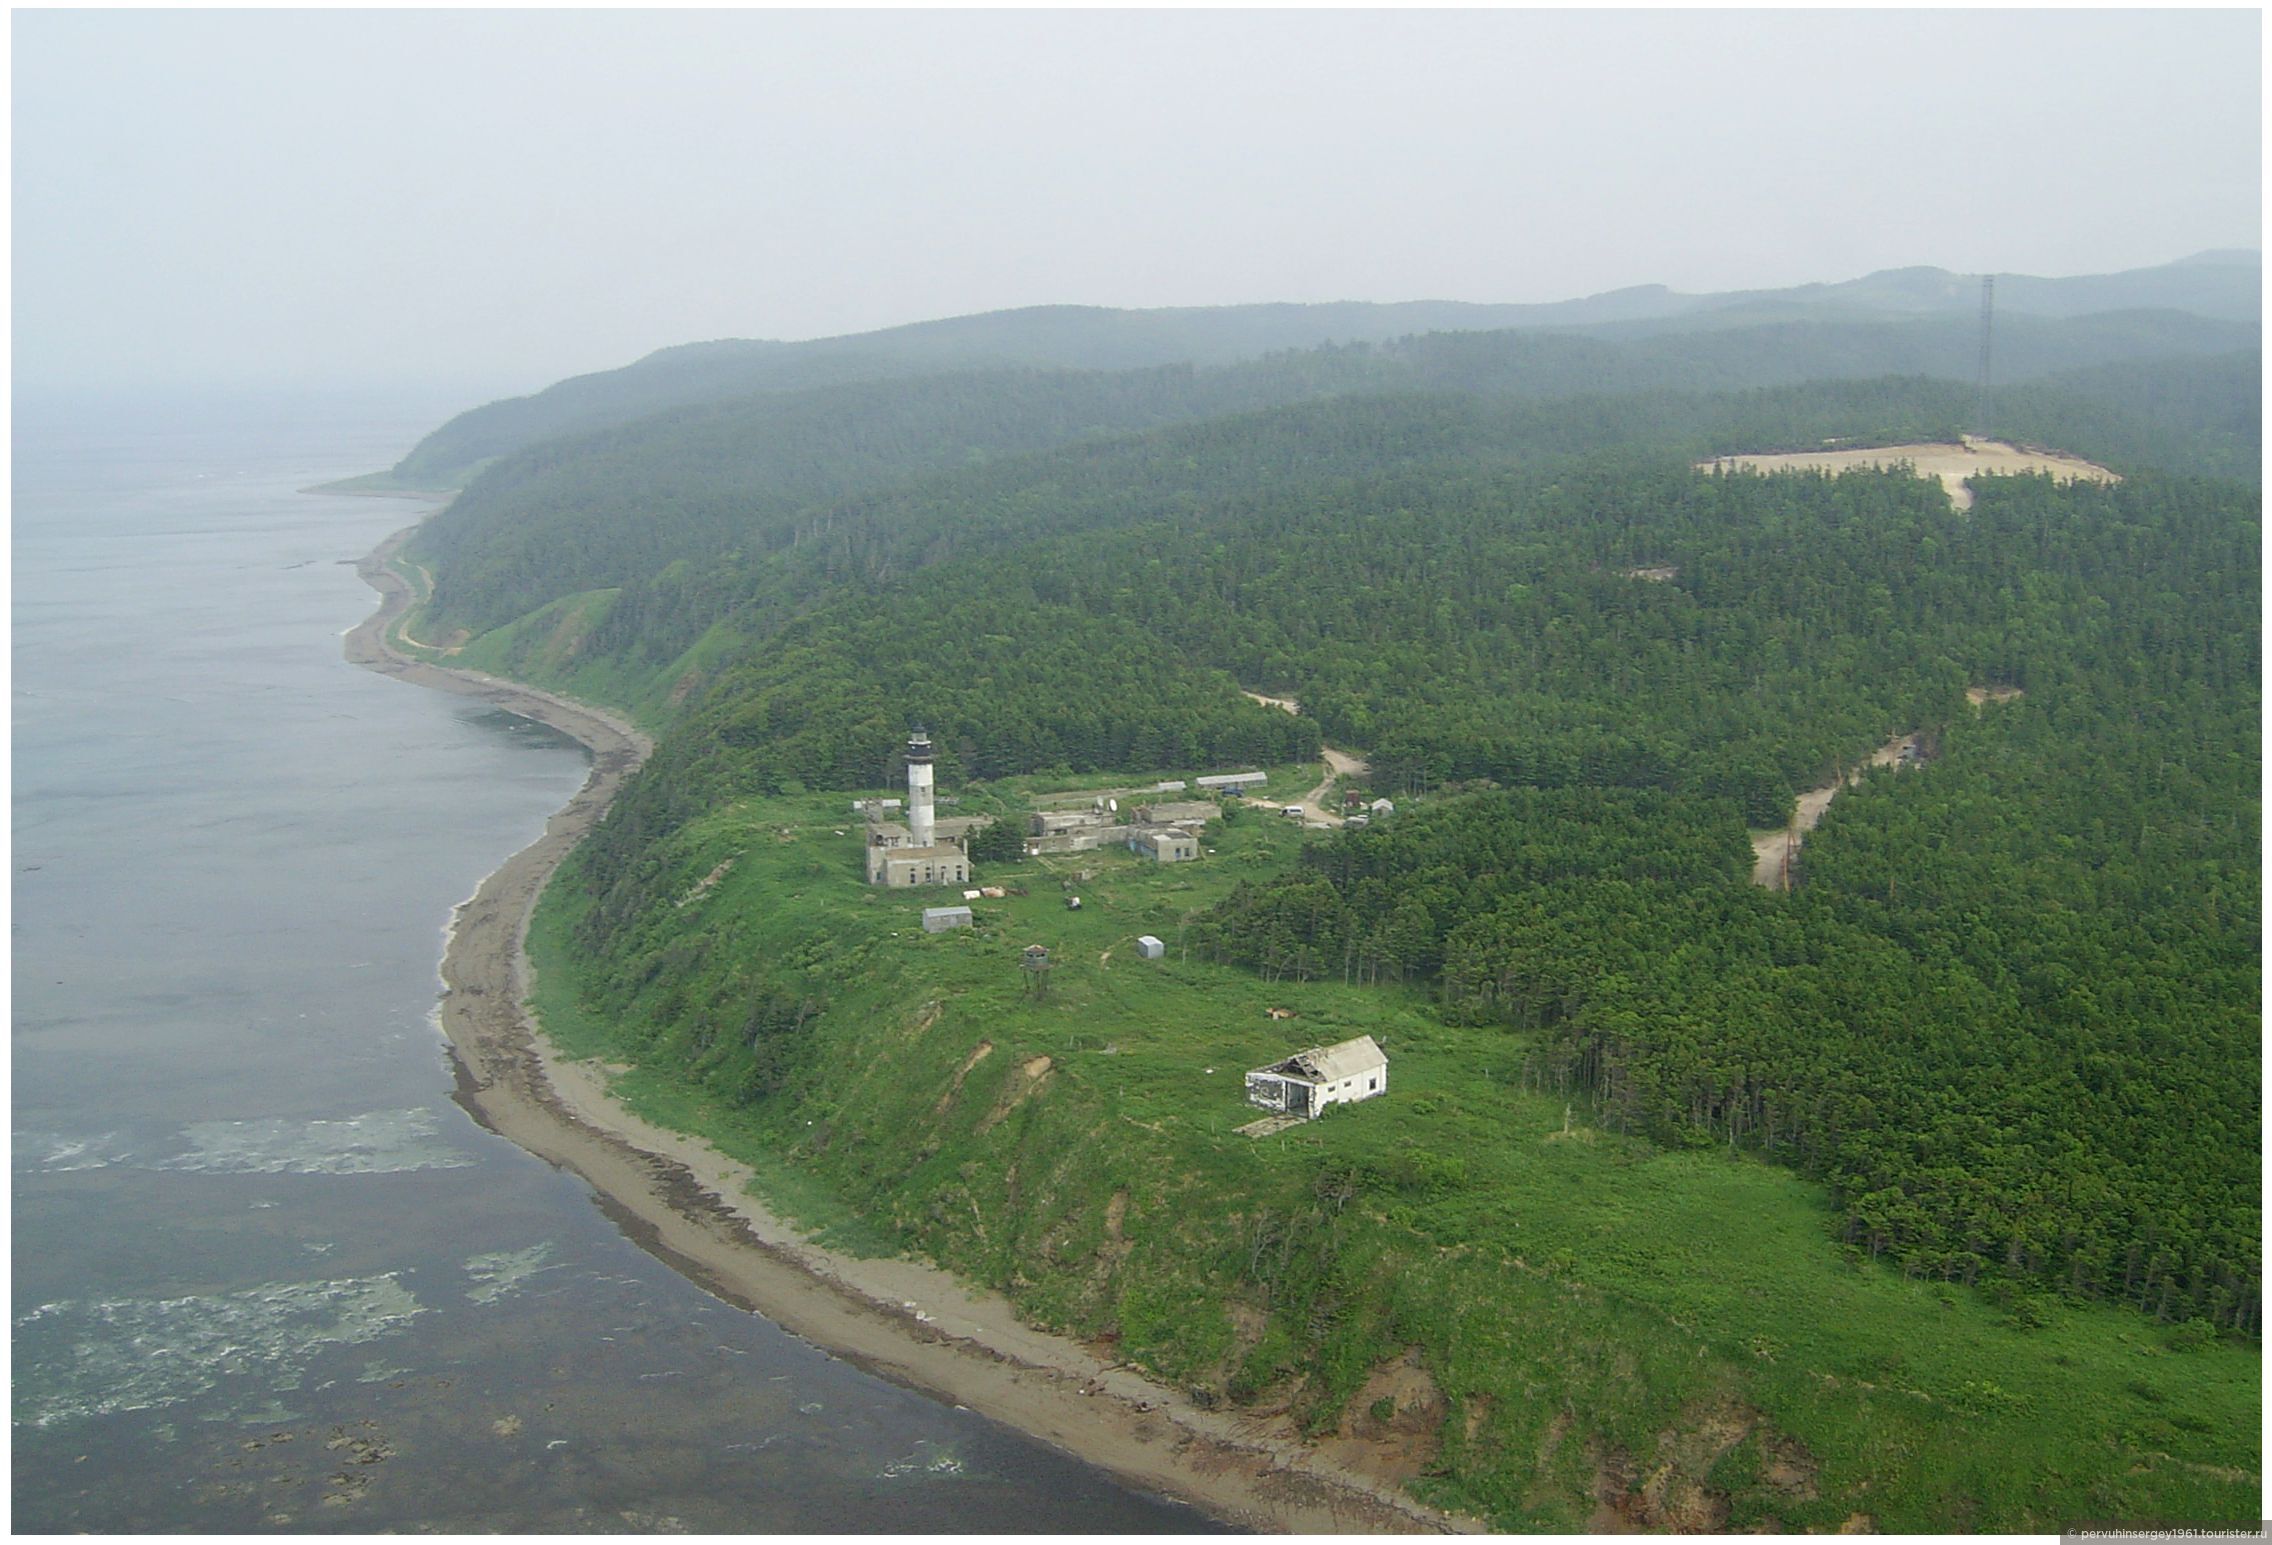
point(1099, 804)
point(1114, 804)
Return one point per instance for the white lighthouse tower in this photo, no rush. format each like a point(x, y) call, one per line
point(919, 788)
point(915, 854)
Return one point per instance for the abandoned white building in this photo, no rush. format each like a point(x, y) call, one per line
point(926, 851)
point(1309, 1081)
point(1073, 831)
point(1167, 830)
point(1163, 844)
point(1178, 812)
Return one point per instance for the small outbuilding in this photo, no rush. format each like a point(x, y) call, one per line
point(1149, 947)
point(940, 919)
point(1307, 1082)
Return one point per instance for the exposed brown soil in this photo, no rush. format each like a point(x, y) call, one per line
point(947, 1095)
point(1024, 1086)
point(1671, 1491)
point(1393, 1427)
point(1978, 696)
point(703, 886)
point(690, 1205)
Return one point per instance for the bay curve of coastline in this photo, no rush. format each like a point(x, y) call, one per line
point(689, 1204)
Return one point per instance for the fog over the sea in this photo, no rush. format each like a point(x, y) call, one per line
point(486, 201)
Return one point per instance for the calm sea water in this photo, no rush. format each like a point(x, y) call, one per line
point(266, 1275)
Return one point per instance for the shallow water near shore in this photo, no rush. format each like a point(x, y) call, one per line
point(266, 1274)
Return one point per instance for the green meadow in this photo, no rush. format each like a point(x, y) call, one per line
point(1598, 1317)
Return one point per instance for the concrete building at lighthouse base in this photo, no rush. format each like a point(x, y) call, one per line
point(925, 851)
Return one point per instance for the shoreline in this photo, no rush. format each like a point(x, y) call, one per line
point(684, 1201)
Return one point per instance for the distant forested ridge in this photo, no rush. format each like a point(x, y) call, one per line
point(731, 482)
point(2219, 287)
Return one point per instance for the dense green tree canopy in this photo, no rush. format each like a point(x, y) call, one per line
point(2009, 1013)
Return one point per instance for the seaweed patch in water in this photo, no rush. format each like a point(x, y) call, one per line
point(501, 1273)
point(929, 1460)
point(380, 1142)
point(51, 1153)
point(77, 1358)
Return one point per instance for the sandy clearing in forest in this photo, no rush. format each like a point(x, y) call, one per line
point(688, 1204)
point(1952, 464)
point(1773, 850)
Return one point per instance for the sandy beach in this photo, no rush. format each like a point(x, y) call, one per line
point(903, 1320)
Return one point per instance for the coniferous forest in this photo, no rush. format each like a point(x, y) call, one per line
point(2006, 1012)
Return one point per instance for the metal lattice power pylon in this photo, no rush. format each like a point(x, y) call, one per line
point(1987, 334)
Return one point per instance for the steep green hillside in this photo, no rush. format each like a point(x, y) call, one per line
point(1590, 1310)
point(1982, 982)
point(1496, 631)
point(703, 484)
point(1924, 1192)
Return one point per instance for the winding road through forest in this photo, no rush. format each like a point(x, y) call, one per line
point(1338, 765)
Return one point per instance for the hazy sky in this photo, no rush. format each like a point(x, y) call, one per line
point(504, 197)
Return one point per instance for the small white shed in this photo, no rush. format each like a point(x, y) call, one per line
point(1309, 1081)
point(1149, 947)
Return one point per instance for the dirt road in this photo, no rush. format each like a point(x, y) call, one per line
point(1316, 811)
point(1773, 850)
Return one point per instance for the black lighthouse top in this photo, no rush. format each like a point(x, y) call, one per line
point(919, 745)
